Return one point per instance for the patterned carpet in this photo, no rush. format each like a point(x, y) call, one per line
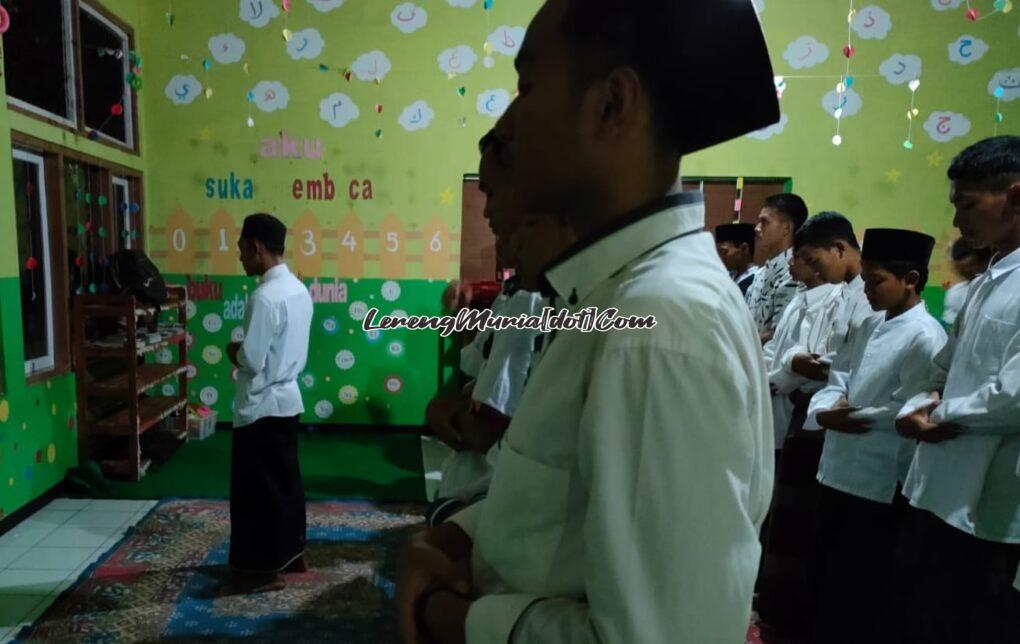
point(159, 583)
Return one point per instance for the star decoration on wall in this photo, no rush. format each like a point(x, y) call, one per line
point(892, 176)
point(446, 197)
point(935, 159)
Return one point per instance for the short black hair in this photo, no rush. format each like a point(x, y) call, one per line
point(900, 268)
point(683, 53)
point(824, 230)
point(991, 163)
point(961, 250)
point(790, 206)
point(266, 229)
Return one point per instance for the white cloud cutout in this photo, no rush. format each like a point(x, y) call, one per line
point(805, 52)
point(967, 49)
point(946, 126)
point(900, 69)
point(457, 60)
point(1009, 81)
point(507, 40)
point(271, 96)
point(409, 17)
point(226, 48)
point(773, 130)
point(372, 66)
point(872, 23)
point(461, 4)
point(945, 5)
point(493, 102)
point(416, 116)
point(338, 110)
point(258, 13)
point(759, 6)
point(182, 90)
point(850, 103)
point(326, 5)
point(307, 44)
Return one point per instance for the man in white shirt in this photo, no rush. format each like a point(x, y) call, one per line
point(267, 498)
point(633, 479)
point(773, 288)
point(827, 243)
point(735, 244)
point(864, 461)
point(968, 263)
point(961, 543)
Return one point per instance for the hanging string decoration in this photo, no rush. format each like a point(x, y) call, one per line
point(847, 80)
point(912, 113)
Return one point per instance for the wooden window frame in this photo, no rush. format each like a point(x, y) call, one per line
point(73, 44)
point(55, 156)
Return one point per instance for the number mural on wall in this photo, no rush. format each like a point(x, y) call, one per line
point(348, 250)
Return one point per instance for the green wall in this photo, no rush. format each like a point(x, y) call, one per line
point(38, 424)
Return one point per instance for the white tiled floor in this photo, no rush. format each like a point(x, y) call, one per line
point(47, 552)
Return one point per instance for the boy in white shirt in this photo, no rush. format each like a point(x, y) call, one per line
point(864, 460)
point(961, 538)
point(968, 263)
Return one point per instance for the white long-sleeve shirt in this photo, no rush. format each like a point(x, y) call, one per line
point(277, 323)
point(635, 475)
point(956, 296)
point(796, 321)
point(970, 481)
point(472, 355)
point(884, 365)
point(771, 290)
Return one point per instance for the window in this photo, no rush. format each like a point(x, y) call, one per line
point(69, 62)
point(34, 258)
point(122, 210)
point(105, 63)
point(39, 58)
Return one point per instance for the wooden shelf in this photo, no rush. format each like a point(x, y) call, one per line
point(150, 411)
point(149, 376)
point(92, 351)
point(125, 468)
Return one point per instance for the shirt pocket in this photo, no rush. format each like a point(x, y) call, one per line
point(525, 533)
point(991, 343)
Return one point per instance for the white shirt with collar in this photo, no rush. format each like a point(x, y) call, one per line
point(797, 319)
point(771, 290)
point(970, 481)
point(277, 323)
point(635, 475)
point(472, 355)
point(956, 296)
point(844, 309)
point(884, 365)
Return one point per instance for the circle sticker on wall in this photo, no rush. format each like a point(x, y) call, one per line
point(348, 394)
point(323, 409)
point(209, 395)
point(237, 334)
point(192, 372)
point(390, 291)
point(164, 356)
point(396, 348)
point(191, 308)
point(358, 310)
point(212, 354)
point(344, 359)
point(399, 314)
point(212, 323)
point(330, 326)
point(308, 380)
point(394, 384)
point(373, 336)
point(190, 339)
point(169, 389)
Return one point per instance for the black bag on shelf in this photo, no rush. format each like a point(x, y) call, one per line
point(132, 272)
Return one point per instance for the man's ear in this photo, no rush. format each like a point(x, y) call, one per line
point(912, 278)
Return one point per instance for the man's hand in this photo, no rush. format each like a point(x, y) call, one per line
point(424, 566)
point(919, 426)
point(838, 419)
point(446, 617)
point(232, 350)
point(810, 366)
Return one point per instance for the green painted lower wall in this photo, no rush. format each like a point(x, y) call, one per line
point(38, 426)
point(352, 377)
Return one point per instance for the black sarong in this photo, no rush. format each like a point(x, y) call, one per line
point(267, 497)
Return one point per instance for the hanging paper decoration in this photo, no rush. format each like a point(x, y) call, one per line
point(378, 108)
point(81, 228)
point(912, 113)
point(116, 109)
point(135, 207)
point(378, 134)
point(285, 5)
point(973, 14)
point(93, 288)
point(79, 261)
point(999, 92)
point(5, 20)
point(93, 135)
point(170, 13)
point(487, 4)
point(31, 263)
point(88, 226)
point(102, 231)
point(103, 200)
